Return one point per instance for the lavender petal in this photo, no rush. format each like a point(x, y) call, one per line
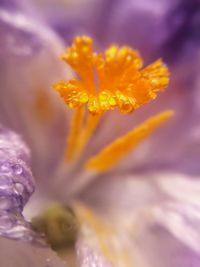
point(158, 214)
point(16, 186)
point(28, 104)
point(153, 27)
point(16, 180)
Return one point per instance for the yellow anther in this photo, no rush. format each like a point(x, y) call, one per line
point(113, 79)
point(114, 152)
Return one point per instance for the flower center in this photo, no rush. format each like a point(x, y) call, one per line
point(105, 81)
point(109, 80)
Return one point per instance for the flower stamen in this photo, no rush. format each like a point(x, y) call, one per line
point(110, 155)
point(105, 81)
point(80, 133)
point(72, 140)
point(110, 80)
point(87, 131)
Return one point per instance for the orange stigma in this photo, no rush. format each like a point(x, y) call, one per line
point(109, 80)
point(113, 79)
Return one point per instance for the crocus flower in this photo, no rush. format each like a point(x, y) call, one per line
point(142, 212)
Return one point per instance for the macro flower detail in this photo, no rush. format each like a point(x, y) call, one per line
point(95, 172)
point(109, 80)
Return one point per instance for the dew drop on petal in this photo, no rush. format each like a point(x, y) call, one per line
point(6, 167)
point(6, 222)
point(19, 188)
point(5, 182)
point(5, 203)
point(17, 169)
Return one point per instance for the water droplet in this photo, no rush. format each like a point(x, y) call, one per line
point(5, 182)
point(21, 232)
point(6, 222)
point(17, 169)
point(27, 236)
point(19, 188)
point(5, 203)
point(6, 167)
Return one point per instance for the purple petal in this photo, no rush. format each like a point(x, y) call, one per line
point(182, 24)
point(160, 217)
point(13, 4)
point(157, 27)
point(161, 249)
point(16, 186)
point(153, 27)
point(19, 245)
point(137, 23)
point(30, 65)
point(16, 183)
point(69, 18)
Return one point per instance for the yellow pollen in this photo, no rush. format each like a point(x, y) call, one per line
point(114, 152)
point(109, 80)
point(113, 79)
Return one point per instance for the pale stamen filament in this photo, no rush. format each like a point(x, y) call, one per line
point(73, 137)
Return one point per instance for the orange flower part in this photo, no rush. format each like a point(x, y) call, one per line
point(113, 79)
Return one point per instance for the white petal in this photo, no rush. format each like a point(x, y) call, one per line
point(157, 226)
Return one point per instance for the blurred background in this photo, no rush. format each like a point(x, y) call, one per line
point(161, 27)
